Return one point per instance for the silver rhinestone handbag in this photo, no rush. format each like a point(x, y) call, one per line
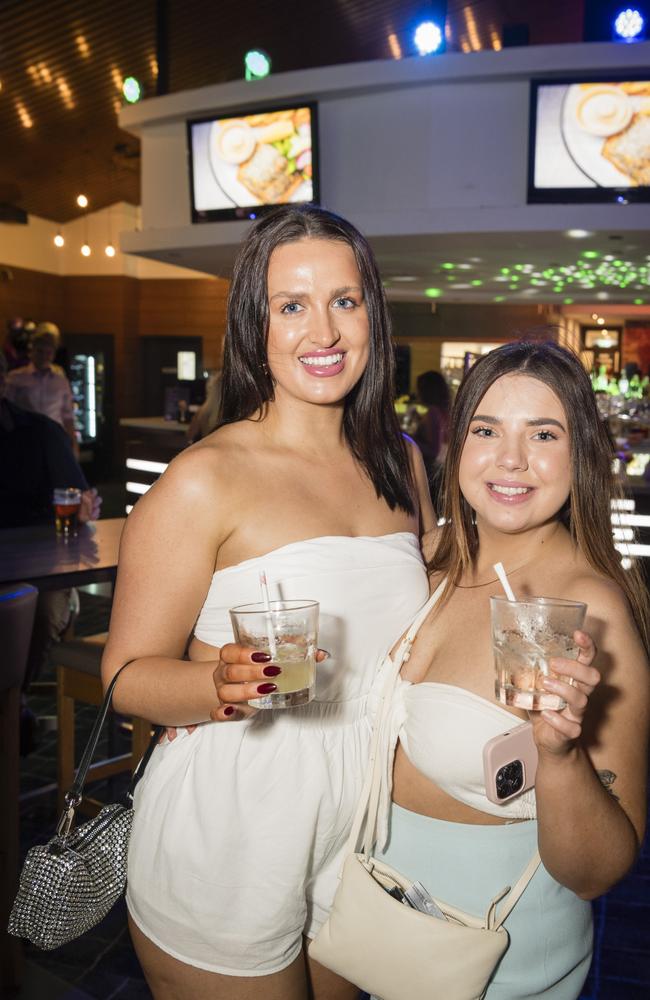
point(69, 884)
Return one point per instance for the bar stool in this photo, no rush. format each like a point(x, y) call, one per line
point(17, 608)
point(78, 663)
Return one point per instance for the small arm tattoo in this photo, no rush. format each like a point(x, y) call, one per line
point(607, 779)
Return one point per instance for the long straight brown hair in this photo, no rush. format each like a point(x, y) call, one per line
point(587, 513)
point(370, 423)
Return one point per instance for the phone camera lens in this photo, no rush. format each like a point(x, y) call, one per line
point(510, 779)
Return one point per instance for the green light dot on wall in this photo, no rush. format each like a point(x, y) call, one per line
point(447, 266)
point(477, 282)
point(499, 298)
point(558, 288)
point(433, 293)
point(568, 302)
point(590, 254)
point(505, 270)
point(638, 302)
point(519, 267)
point(513, 288)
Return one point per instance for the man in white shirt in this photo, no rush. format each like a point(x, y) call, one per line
point(42, 386)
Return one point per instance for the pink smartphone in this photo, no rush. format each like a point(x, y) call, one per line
point(510, 763)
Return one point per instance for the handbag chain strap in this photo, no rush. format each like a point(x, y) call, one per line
point(368, 807)
point(74, 796)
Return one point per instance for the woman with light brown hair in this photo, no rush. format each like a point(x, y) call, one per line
point(528, 483)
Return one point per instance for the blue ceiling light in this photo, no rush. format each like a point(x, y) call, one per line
point(629, 25)
point(427, 38)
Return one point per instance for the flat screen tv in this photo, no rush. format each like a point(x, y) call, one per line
point(243, 164)
point(589, 140)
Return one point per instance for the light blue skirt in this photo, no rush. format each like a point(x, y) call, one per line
point(550, 928)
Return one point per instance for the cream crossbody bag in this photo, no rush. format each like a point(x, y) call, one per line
point(376, 941)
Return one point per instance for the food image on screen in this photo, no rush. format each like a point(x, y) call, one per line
point(592, 135)
point(253, 160)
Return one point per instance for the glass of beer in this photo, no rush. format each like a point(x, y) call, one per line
point(288, 631)
point(67, 503)
point(525, 635)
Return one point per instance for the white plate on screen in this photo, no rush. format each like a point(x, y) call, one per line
point(585, 149)
point(226, 177)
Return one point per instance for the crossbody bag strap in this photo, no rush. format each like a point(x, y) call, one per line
point(516, 891)
point(73, 797)
point(369, 801)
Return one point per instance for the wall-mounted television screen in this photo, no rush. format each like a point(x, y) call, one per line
point(242, 164)
point(589, 140)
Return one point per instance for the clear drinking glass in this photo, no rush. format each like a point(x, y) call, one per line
point(67, 503)
point(288, 630)
point(525, 635)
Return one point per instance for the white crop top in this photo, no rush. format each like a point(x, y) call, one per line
point(443, 729)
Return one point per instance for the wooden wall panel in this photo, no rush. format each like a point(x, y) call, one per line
point(30, 294)
point(192, 307)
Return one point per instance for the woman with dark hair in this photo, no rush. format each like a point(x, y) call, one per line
point(239, 829)
point(528, 483)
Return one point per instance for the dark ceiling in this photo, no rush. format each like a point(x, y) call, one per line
point(62, 65)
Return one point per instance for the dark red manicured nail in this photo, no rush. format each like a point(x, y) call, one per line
point(229, 710)
point(266, 688)
point(272, 671)
point(261, 657)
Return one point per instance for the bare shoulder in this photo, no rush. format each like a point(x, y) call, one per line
point(604, 597)
point(197, 492)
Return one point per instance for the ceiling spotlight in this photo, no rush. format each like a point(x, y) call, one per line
point(85, 250)
point(257, 64)
point(578, 234)
point(427, 38)
point(109, 250)
point(600, 321)
point(132, 90)
point(629, 25)
point(58, 240)
point(82, 201)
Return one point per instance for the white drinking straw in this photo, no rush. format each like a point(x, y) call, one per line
point(269, 623)
point(501, 573)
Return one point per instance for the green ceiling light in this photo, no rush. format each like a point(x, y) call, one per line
point(513, 288)
point(476, 282)
point(568, 302)
point(638, 302)
point(590, 254)
point(505, 270)
point(433, 293)
point(558, 288)
point(447, 266)
point(257, 64)
point(499, 298)
point(132, 90)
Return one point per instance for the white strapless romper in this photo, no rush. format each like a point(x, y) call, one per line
point(239, 827)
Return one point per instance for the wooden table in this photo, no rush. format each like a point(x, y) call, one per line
point(36, 555)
